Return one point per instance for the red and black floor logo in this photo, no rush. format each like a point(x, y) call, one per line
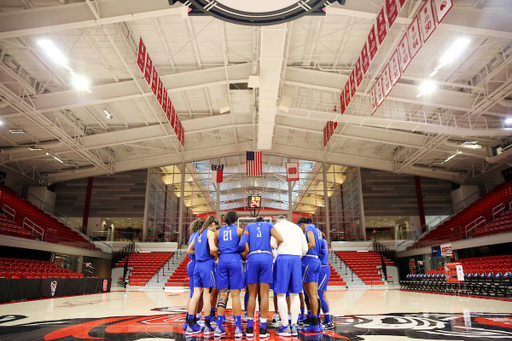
point(474, 326)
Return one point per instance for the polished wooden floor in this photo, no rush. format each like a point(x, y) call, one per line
point(358, 314)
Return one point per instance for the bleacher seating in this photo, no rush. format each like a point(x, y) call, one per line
point(335, 278)
point(365, 265)
point(499, 225)
point(54, 231)
point(454, 228)
point(487, 276)
point(179, 277)
point(28, 268)
point(144, 265)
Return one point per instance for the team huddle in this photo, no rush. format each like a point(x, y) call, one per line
point(288, 258)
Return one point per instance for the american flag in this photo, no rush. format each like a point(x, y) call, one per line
point(253, 163)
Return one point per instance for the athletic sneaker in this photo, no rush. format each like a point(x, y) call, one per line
point(276, 320)
point(208, 330)
point(185, 326)
point(213, 320)
point(263, 333)
point(313, 329)
point(305, 322)
point(219, 331)
point(328, 325)
point(238, 333)
point(201, 323)
point(193, 329)
point(249, 332)
point(284, 331)
point(294, 331)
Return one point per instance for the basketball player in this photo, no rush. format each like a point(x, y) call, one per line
point(205, 250)
point(311, 267)
point(229, 273)
point(287, 272)
point(193, 228)
point(259, 270)
point(323, 279)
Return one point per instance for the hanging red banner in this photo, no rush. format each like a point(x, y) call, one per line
point(427, 21)
point(159, 91)
point(149, 69)
point(165, 97)
point(386, 81)
point(154, 81)
point(359, 73)
point(414, 35)
point(352, 80)
point(182, 136)
point(347, 94)
point(173, 118)
point(373, 99)
point(379, 91)
point(442, 8)
point(141, 56)
point(342, 102)
point(402, 3)
point(325, 135)
point(405, 54)
point(382, 32)
point(391, 12)
point(168, 110)
point(394, 67)
point(365, 59)
point(372, 43)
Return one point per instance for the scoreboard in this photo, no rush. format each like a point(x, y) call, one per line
point(254, 201)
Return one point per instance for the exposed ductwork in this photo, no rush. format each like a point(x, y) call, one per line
point(272, 53)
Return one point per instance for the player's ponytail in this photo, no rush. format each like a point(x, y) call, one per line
point(195, 226)
point(210, 220)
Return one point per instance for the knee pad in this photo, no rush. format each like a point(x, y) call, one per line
point(222, 303)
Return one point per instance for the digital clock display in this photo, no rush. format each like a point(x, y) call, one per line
point(254, 201)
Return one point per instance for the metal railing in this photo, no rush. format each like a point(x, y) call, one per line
point(10, 211)
point(36, 229)
point(475, 223)
point(457, 207)
point(497, 209)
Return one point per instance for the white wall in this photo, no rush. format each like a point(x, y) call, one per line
point(464, 196)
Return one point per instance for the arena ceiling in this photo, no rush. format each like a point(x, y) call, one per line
point(202, 59)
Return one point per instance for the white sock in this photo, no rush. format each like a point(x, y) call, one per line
point(294, 307)
point(283, 308)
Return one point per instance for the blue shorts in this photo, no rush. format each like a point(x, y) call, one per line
point(260, 270)
point(204, 274)
point(310, 269)
point(287, 274)
point(190, 272)
point(323, 279)
point(230, 272)
point(245, 274)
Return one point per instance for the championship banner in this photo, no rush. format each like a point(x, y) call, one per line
point(372, 43)
point(373, 99)
point(381, 26)
point(391, 12)
point(149, 69)
point(218, 173)
point(342, 102)
point(405, 53)
point(427, 21)
point(386, 81)
point(442, 8)
point(141, 56)
point(379, 91)
point(413, 32)
point(292, 171)
point(359, 74)
point(394, 68)
point(402, 3)
point(154, 81)
point(365, 59)
point(352, 79)
point(347, 94)
point(159, 91)
point(325, 136)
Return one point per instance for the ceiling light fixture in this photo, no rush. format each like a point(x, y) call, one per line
point(454, 51)
point(17, 131)
point(56, 158)
point(35, 148)
point(108, 114)
point(507, 120)
point(80, 82)
point(427, 87)
point(70, 164)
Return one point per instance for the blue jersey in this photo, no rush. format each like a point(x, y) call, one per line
point(324, 255)
point(318, 238)
point(201, 246)
point(228, 239)
point(192, 256)
point(259, 236)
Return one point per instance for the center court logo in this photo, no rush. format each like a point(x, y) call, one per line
point(169, 321)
